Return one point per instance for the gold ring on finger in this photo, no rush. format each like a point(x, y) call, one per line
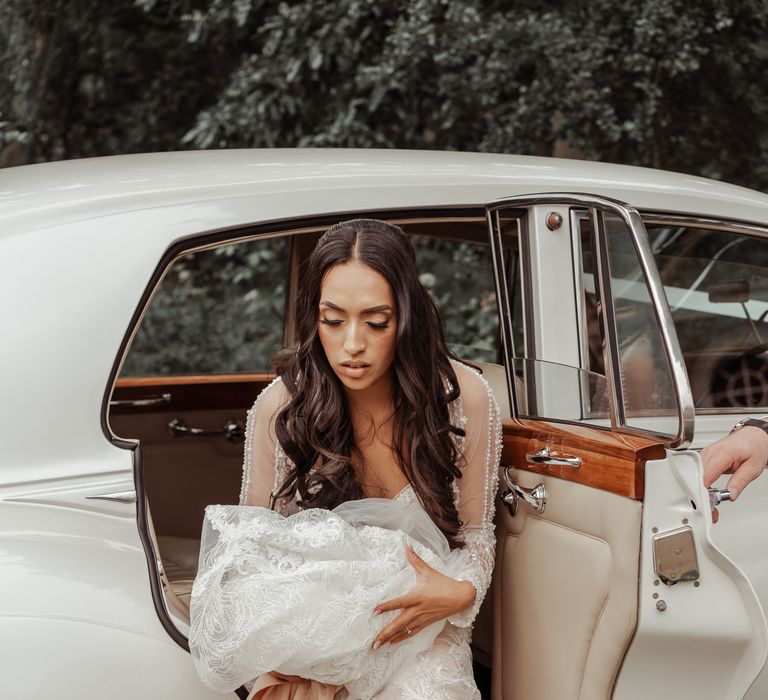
point(408, 629)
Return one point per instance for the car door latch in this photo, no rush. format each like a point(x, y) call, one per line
point(536, 497)
point(674, 556)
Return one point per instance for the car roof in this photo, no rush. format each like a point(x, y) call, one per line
point(84, 188)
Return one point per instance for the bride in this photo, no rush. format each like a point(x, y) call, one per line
point(374, 405)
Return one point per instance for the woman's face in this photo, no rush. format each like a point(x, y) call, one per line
point(357, 324)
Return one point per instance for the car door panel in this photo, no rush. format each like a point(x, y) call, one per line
point(567, 609)
point(708, 634)
point(577, 600)
point(569, 597)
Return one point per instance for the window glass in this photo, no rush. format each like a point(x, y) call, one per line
point(543, 389)
point(647, 386)
point(716, 284)
point(459, 275)
point(224, 310)
point(216, 311)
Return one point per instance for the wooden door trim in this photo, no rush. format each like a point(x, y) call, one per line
point(612, 462)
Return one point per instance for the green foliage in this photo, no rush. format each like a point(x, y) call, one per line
point(215, 311)
point(460, 278)
point(667, 83)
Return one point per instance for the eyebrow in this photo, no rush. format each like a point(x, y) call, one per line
point(372, 310)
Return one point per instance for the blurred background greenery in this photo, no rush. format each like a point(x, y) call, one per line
point(673, 84)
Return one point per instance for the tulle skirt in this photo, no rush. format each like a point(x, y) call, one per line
point(295, 595)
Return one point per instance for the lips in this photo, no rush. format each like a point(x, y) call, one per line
point(355, 370)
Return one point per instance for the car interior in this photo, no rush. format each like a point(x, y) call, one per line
point(191, 425)
point(188, 413)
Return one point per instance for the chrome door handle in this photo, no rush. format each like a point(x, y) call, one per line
point(718, 496)
point(536, 497)
point(553, 458)
point(232, 430)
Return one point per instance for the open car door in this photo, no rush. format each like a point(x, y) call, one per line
point(607, 583)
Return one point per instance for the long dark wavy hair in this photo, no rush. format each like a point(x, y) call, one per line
point(314, 427)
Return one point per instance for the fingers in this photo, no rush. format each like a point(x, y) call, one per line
point(743, 476)
point(716, 463)
point(415, 626)
point(394, 604)
point(415, 560)
point(715, 515)
point(396, 628)
point(402, 627)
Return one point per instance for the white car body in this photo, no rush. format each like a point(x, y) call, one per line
point(79, 242)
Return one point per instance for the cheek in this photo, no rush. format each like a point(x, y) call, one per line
point(323, 336)
point(389, 345)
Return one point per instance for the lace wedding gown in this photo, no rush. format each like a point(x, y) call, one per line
point(443, 671)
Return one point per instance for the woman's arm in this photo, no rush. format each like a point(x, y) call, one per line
point(458, 598)
point(478, 485)
point(260, 457)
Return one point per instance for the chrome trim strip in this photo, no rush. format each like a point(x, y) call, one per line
point(578, 286)
point(502, 303)
point(611, 361)
point(118, 496)
point(697, 221)
point(633, 220)
point(164, 398)
point(683, 393)
point(525, 286)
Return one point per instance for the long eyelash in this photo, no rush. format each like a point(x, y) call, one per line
point(377, 326)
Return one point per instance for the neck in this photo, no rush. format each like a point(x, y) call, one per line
point(375, 400)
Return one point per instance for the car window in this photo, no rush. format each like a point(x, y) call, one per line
point(716, 284)
point(225, 309)
point(641, 367)
point(459, 275)
point(216, 311)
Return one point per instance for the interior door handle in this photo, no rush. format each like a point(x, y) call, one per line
point(553, 458)
point(535, 497)
point(232, 430)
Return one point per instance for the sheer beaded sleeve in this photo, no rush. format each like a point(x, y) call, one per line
point(478, 412)
point(263, 459)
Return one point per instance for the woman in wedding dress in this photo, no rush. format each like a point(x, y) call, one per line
point(374, 405)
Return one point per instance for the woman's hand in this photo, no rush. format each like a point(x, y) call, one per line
point(434, 597)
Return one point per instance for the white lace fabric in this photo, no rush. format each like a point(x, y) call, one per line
point(444, 669)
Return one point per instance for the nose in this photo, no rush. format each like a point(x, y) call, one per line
point(354, 342)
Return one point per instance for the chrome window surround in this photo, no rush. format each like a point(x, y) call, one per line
point(597, 207)
point(502, 298)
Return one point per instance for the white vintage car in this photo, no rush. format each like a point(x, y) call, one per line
point(621, 315)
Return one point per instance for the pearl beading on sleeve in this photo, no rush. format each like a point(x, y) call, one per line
point(481, 542)
point(248, 448)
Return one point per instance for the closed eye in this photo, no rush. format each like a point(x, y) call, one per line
point(336, 322)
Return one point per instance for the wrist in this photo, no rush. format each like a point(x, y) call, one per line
point(468, 593)
point(759, 423)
